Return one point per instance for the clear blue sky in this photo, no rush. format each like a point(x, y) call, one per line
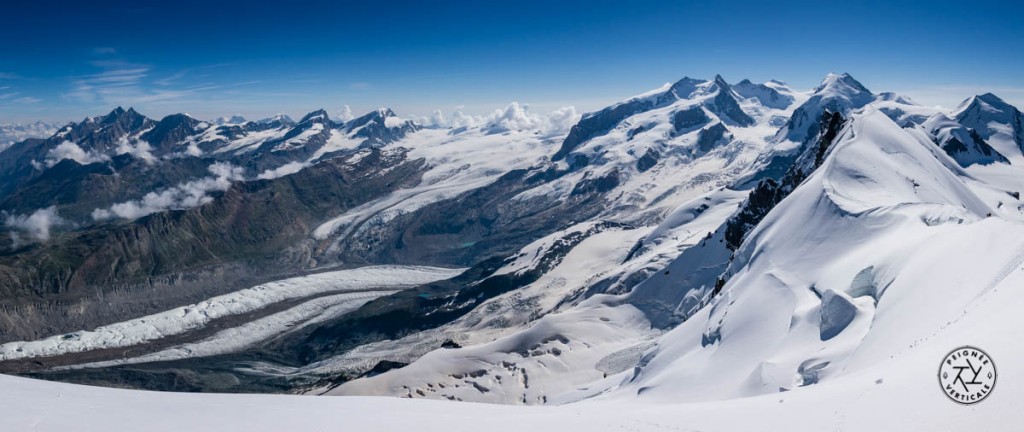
point(66, 60)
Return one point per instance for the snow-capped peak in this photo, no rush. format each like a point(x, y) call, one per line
point(987, 106)
point(685, 87)
point(228, 120)
point(119, 113)
point(896, 97)
point(837, 93)
point(842, 84)
point(277, 118)
point(318, 116)
point(772, 94)
point(998, 122)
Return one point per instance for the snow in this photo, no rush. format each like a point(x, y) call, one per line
point(572, 344)
point(250, 141)
point(901, 394)
point(842, 276)
point(17, 132)
point(839, 306)
point(300, 139)
point(186, 318)
point(238, 338)
point(456, 163)
point(993, 119)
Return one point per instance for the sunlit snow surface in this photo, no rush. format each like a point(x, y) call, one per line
point(886, 258)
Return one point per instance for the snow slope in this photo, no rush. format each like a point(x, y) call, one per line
point(900, 394)
point(457, 161)
point(550, 336)
point(883, 249)
point(864, 275)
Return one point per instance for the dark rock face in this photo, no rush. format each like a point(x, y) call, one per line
point(686, 120)
point(78, 189)
point(596, 124)
point(767, 96)
point(97, 134)
point(648, 160)
point(251, 224)
point(726, 106)
point(769, 192)
point(601, 184)
point(169, 133)
point(374, 129)
point(711, 136)
point(956, 148)
point(965, 145)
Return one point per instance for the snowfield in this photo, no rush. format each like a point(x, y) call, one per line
point(901, 394)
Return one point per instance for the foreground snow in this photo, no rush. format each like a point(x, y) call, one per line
point(902, 394)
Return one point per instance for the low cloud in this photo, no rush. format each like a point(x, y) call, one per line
point(514, 117)
point(183, 196)
point(70, 150)
point(36, 225)
point(345, 114)
point(561, 120)
point(140, 149)
point(283, 170)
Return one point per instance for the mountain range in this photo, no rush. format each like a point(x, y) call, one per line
point(705, 241)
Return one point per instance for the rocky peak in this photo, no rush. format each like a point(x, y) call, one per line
point(318, 116)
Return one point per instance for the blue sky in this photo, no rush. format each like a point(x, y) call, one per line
point(66, 60)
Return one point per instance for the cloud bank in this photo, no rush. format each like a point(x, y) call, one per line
point(183, 196)
point(36, 225)
point(141, 149)
point(70, 150)
point(283, 170)
point(514, 117)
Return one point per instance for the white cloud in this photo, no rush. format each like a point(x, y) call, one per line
point(561, 120)
point(141, 149)
point(70, 150)
point(461, 119)
point(283, 170)
point(346, 114)
point(437, 118)
point(183, 196)
point(36, 225)
point(514, 117)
